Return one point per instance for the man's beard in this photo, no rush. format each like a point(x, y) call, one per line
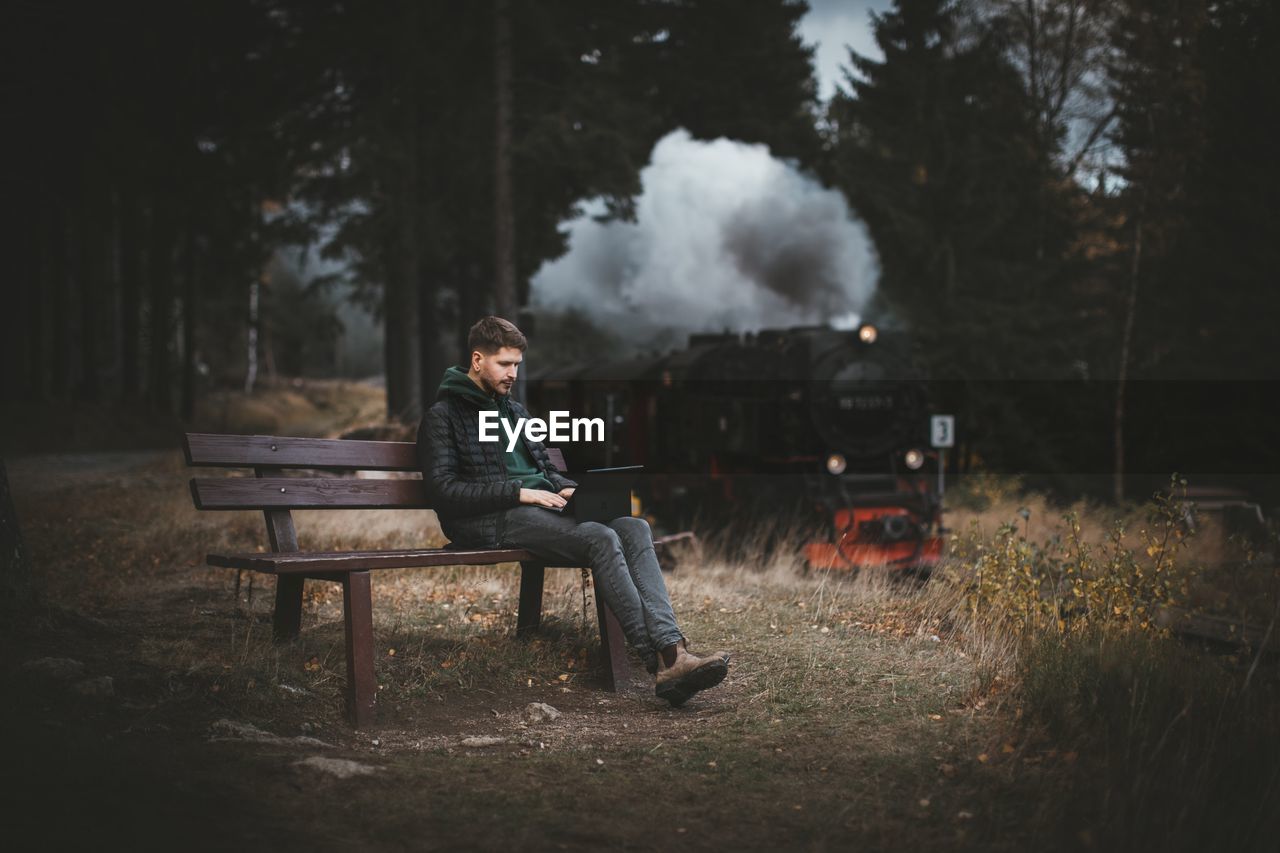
point(496, 390)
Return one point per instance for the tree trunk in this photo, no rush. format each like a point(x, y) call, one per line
point(161, 279)
point(265, 343)
point(1126, 340)
point(434, 356)
point(504, 250)
point(190, 308)
point(60, 310)
point(251, 358)
point(401, 311)
point(402, 343)
point(92, 284)
point(15, 569)
point(130, 297)
point(41, 305)
point(18, 329)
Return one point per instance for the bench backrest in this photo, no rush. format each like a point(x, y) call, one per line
point(270, 456)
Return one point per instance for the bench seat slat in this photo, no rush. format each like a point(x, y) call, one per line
point(306, 493)
point(247, 451)
point(308, 562)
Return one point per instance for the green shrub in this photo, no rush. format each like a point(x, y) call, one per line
point(1064, 584)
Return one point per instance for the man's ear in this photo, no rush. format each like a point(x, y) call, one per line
point(476, 357)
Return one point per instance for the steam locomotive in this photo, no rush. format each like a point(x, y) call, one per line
point(804, 429)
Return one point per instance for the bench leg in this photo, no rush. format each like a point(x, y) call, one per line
point(529, 616)
point(613, 649)
point(357, 616)
point(287, 621)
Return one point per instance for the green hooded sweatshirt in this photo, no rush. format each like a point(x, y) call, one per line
point(520, 464)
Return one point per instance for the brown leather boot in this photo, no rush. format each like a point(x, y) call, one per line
point(689, 673)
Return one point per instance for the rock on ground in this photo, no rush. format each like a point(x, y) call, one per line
point(483, 741)
point(340, 767)
point(54, 669)
point(102, 687)
point(224, 730)
point(540, 712)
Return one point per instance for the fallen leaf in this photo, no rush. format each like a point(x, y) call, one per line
point(983, 757)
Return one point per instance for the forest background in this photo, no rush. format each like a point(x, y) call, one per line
point(1065, 190)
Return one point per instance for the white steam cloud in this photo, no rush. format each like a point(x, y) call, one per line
point(726, 236)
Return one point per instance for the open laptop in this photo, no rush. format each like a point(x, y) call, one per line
point(602, 495)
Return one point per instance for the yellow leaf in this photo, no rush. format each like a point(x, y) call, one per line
point(983, 758)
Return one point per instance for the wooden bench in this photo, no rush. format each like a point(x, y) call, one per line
point(276, 496)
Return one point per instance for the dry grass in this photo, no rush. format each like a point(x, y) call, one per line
point(310, 407)
point(862, 709)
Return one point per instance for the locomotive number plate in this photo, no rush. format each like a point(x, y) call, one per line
point(867, 403)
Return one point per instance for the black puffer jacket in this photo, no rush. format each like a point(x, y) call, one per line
point(466, 479)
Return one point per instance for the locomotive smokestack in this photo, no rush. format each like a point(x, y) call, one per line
point(726, 236)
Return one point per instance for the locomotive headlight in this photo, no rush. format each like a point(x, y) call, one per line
point(867, 334)
point(914, 459)
point(836, 463)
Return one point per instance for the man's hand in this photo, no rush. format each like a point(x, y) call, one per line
point(538, 497)
point(566, 492)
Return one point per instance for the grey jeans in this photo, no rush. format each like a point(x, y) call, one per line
point(622, 561)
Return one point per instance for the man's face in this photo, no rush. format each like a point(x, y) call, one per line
point(497, 371)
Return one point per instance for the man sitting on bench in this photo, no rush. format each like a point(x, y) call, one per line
point(486, 497)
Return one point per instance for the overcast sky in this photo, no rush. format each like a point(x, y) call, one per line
point(833, 26)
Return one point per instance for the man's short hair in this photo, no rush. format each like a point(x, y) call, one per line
point(491, 334)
